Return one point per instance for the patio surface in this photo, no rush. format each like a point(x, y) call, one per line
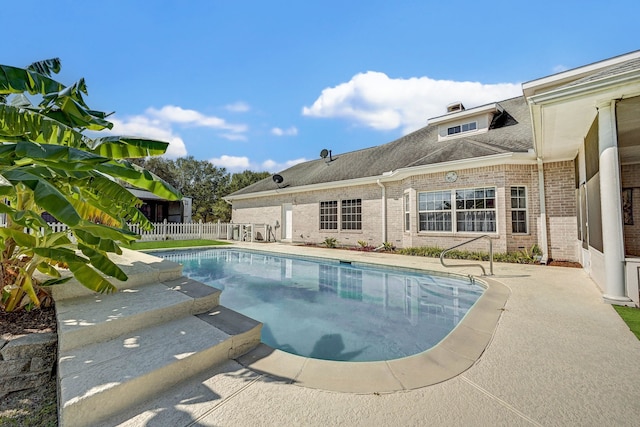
point(559, 356)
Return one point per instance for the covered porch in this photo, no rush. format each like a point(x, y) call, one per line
point(591, 115)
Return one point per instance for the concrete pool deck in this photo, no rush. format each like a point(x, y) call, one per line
point(558, 356)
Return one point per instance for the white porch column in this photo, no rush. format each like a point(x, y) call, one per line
point(611, 203)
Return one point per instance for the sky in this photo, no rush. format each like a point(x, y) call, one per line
point(263, 85)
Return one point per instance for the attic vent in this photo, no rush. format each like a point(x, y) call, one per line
point(455, 107)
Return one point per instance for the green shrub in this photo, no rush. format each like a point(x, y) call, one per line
point(331, 242)
point(521, 257)
point(388, 246)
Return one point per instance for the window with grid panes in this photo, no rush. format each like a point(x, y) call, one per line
point(407, 212)
point(329, 215)
point(519, 209)
point(434, 211)
point(476, 210)
point(351, 218)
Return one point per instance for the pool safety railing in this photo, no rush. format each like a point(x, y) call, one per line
point(484, 273)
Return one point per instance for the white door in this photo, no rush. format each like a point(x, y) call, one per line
point(288, 221)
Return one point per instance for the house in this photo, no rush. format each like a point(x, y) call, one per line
point(556, 167)
point(157, 209)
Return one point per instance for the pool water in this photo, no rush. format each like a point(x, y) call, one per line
point(330, 309)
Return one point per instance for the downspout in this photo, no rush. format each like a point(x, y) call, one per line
point(543, 214)
point(383, 203)
point(537, 138)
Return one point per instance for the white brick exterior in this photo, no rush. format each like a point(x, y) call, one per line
point(559, 198)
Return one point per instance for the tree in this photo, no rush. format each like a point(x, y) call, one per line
point(237, 182)
point(48, 163)
point(205, 183)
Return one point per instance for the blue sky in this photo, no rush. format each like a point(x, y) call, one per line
point(262, 85)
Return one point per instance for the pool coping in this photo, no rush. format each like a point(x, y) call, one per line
point(453, 355)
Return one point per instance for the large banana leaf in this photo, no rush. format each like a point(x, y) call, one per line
point(46, 67)
point(21, 238)
point(24, 218)
point(46, 195)
point(60, 156)
point(100, 261)
point(104, 232)
point(119, 147)
point(18, 124)
point(91, 278)
point(23, 124)
point(19, 80)
point(140, 178)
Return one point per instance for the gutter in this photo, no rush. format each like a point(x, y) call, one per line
point(497, 159)
point(383, 204)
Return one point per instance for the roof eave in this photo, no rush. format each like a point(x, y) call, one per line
point(399, 174)
point(534, 87)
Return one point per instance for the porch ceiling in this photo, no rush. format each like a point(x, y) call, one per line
point(562, 126)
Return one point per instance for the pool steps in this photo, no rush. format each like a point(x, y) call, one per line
point(117, 351)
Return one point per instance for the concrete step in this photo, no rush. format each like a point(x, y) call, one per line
point(98, 381)
point(97, 317)
point(140, 268)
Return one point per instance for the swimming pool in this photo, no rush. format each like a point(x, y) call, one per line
point(334, 310)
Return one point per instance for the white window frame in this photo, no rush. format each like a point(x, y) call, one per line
point(470, 207)
point(351, 215)
point(456, 207)
point(470, 127)
point(328, 218)
point(519, 208)
point(407, 212)
point(429, 212)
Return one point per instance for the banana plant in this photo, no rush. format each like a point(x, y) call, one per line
point(49, 163)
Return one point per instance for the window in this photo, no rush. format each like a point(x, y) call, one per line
point(519, 209)
point(351, 218)
point(434, 211)
point(476, 210)
point(329, 215)
point(466, 127)
point(407, 212)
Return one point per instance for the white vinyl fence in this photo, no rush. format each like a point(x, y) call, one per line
point(209, 230)
point(196, 230)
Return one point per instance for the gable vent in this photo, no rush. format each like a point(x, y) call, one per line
point(455, 107)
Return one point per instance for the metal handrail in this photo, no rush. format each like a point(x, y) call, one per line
point(484, 273)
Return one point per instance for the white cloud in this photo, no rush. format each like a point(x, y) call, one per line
point(233, 136)
point(232, 163)
point(160, 124)
point(292, 131)
point(374, 100)
point(145, 127)
point(174, 114)
point(238, 107)
point(239, 164)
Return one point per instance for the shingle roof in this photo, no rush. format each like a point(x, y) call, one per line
point(624, 67)
point(509, 133)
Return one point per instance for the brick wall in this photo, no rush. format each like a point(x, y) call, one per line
point(560, 201)
point(631, 180)
point(306, 214)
